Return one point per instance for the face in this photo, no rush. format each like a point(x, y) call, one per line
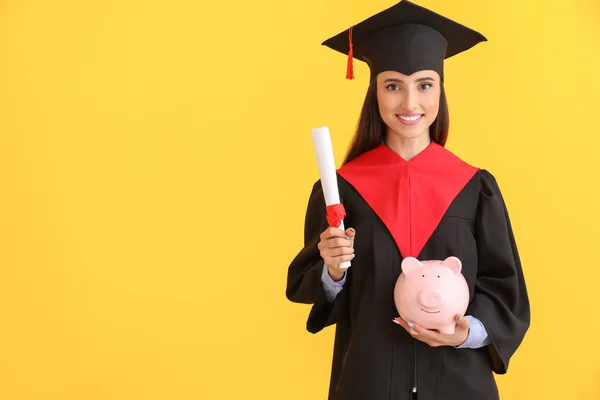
point(408, 104)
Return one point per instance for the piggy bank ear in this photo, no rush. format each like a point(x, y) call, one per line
point(410, 264)
point(453, 264)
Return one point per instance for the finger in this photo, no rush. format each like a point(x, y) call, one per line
point(462, 322)
point(427, 334)
point(340, 259)
point(334, 262)
point(401, 322)
point(332, 232)
point(337, 251)
point(350, 233)
point(335, 242)
point(430, 337)
point(406, 325)
point(422, 339)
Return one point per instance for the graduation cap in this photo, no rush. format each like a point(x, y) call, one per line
point(405, 38)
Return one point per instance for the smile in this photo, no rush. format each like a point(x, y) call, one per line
point(430, 312)
point(410, 120)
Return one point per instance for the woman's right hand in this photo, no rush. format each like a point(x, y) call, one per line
point(337, 246)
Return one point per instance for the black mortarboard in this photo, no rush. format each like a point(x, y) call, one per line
point(405, 38)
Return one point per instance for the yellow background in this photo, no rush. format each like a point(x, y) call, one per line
point(155, 163)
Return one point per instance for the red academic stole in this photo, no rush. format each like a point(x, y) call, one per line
point(410, 197)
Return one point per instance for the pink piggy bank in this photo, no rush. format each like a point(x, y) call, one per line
point(431, 293)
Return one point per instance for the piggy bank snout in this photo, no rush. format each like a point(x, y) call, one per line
point(430, 298)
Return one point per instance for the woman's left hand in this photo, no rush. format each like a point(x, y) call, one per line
point(435, 338)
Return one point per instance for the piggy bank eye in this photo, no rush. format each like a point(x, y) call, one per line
point(438, 276)
point(423, 276)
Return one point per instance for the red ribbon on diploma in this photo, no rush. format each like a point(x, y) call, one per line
point(335, 215)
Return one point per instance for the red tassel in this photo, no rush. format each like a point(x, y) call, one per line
point(335, 214)
point(350, 67)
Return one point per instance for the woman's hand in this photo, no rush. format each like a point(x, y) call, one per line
point(336, 246)
point(435, 338)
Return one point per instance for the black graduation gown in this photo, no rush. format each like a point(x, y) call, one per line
point(376, 359)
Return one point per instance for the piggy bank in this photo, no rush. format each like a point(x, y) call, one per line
point(431, 293)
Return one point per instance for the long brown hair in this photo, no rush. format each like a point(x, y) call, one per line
point(371, 128)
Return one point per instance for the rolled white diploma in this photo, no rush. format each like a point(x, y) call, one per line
point(327, 171)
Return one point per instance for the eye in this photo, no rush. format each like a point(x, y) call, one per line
point(393, 87)
point(426, 86)
point(438, 276)
point(423, 276)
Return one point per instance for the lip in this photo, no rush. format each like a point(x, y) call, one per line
point(410, 123)
point(431, 312)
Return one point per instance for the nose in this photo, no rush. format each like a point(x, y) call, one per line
point(430, 298)
point(408, 102)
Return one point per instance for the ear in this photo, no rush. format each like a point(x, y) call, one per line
point(410, 264)
point(453, 264)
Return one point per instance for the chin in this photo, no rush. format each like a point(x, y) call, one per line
point(407, 131)
point(410, 133)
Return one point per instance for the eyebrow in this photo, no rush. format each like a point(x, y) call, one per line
point(427, 78)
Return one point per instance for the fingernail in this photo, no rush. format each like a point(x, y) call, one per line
point(396, 322)
point(413, 332)
point(353, 255)
point(411, 325)
point(347, 237)
point(459, 318)
point(352, 229)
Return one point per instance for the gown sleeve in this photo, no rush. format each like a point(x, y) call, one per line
point(304, 273)
point(500, 301)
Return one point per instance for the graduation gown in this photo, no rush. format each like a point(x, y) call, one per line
point(431, 207)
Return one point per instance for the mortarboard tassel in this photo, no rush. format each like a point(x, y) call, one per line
point(350, 67)
point(335, 215)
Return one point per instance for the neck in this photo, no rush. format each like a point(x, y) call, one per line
point(407, 148)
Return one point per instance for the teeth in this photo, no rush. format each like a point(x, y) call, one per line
point(409, 118)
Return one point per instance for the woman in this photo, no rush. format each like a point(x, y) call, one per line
point(405, 195)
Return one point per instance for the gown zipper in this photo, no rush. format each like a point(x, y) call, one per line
point(415, 373)
point(415, 376)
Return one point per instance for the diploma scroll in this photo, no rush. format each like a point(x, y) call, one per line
point(327, 171)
